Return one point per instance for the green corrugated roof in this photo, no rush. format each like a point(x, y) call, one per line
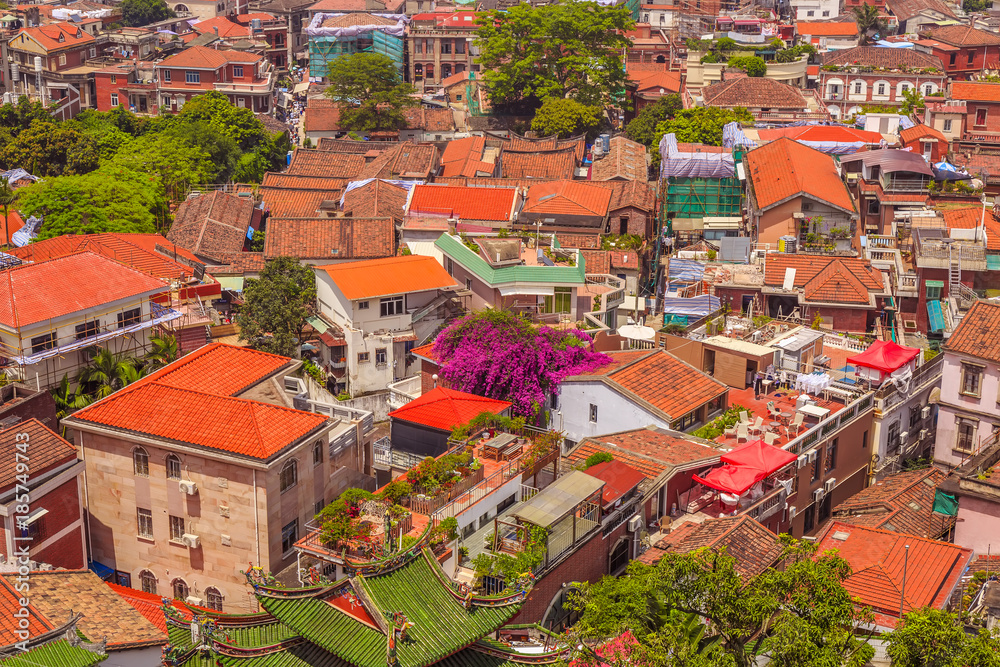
point(935, 316)
point(545, 275)
point(934, 283)
point(318, 324)
point(993, 262)
point(59, 653)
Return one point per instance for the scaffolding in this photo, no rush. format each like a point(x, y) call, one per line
point(327, 43)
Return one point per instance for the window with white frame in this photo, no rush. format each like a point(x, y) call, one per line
point(62, 58)
point(166, 76)
point(859, 87)
point(380, 355)
point(144, 523)
point(965, 435)
point(173, 467)
point(114, 79)
point(972, 380)
point(391, 306)
point(237, 70)
point(114, 99)
point(192, 77)
point(364, 357)
point(140, 462)
point(363, 305)
point(947, 125)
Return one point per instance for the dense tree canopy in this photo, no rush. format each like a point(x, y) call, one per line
point(702, 125)
point(370, 92)
point(107, 200)
point(696, 609)
point(752, 65)
point(568, 49)
point(642, 128)
point(276, 305)
point(567, 118)
point(934, 638)
point(47, 148)
point(137, 13)
point(498, 354)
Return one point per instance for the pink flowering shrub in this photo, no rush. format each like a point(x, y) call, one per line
point(497, 354)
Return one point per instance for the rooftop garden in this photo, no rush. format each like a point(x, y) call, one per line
point(856, 68)
point(726, 49)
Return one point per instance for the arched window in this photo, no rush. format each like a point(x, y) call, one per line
point(213, 599)
point(147, 580)
point(181, 8)
point(430, 73)
point(619, 556)
point(445, 71)
point(661, 59)
point(289, 475)
point(140, 461)
point(181, 589)
point(173, 467)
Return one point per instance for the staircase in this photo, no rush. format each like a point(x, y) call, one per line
point(191, 338)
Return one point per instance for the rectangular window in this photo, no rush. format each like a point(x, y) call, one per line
point(129, 317)
point(892, 441)
point(114, 79)
point(468, 283)
point(817, 463)
point(881, 89)
point(810, 521)
point(971, 379)
point(864, 440)
point(363, 357)
point(317, 452)
point(858, 87)
point(42, 343)
point(93, 52)
point(289, 535)
point(459, 46)
point(593, 413)
point(318, 507)
point(972, 56)
point(947, 125)
point(980, 116)
point(560, 301)
point(166, 76)
point(177, 528)
point(363, 305)
point(87, 329)
point(933, 291)
point(826, 13)
point(873, 206)
point(951, 60)
point(144, 523)
point(62, 58)
point(237, 71)
point(966, 440)
point(810, 13)
point(449, 266)
point(831, 455)
point(445, 46)
point(192, 77)
point(114, 99)
point(686, 421)
point(391, 306)
point(380, 355)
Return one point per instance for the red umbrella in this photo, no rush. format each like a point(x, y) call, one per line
point(759, 455)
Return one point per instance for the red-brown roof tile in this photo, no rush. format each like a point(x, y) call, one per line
point(976, 334)
point(667, 383)
point(919, 132)
point(784, 169)
point(220, 369)
point(625, 160)
point(814, 268)
point(582, 241)
point(405, 160)
point(54, 36)
point(836, 284)
point(596, 261)
point(963, 35)
point(430, 120)
point(223, 27)
point(444, 409)
point(876, 56)
point(205, 57)
point(48, 450)
point(325, 164)
point(754, 547)
point(287, 203)
point(465, 203)
point(902, 503)
point(70, 284)
point(378, 199)
point(651, 451)
point(330, 238)
point(10, 603)
point(464, 157)
point(539, 164)
point(753, 92)
point(213, 224)
point(566, 197)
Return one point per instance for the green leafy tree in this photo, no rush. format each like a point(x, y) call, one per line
point(276, 306)
point(870, 22)
point(977, 5)
point(67, 398)
point(47, 148)
point(137, 13)
point(162, 351)
point(176, 164)
point(107, 372)
point(223, 151)
point(800, 615)
point(569, 49)
point(642, 128)
point(567, 118)
point(6, 199)
point(238, 123)
point(913, 101)
point(370, 92)
point(702, 125)
point(933, 638)
point(20, 116)
point(754, 66)
point(107, 200)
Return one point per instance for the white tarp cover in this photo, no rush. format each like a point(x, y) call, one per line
point(674, 163)
point(316, 28)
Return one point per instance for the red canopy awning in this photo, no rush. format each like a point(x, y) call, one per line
point(885, 356)
point(759, 455)
point(731, 479)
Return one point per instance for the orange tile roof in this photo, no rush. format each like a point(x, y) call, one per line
point(972, 217)
point(975, 91)
point(558, 163)
point(465, 203)
point(919, 132)
point(651, 451)
point(820, 133)
point(976, 334)
point(667, 383)
point(289, 181)
point(784, 169)
point(11, 224)
point(964, 35)
point(10, 598)
point(59, 593)
point(876, 558)
point(49, 36)
point(193, 400)
point(48, 449)
point(833, 29)
point(47, 290)
point(330, 238)
point(207, 58)
point(813, 272)
point(404, 160)
point(463, 157)
point(645, 81)
point(393, 275)
point(597, 261)
point(444, 409)
point(226, 28)
point(836, 284)
point(902, 503)
point(567, 198)
point(150, 605)
point(619, 478)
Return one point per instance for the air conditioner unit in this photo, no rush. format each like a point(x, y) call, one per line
point(812, 456)
point(829, 485)
point(923, 433)
point(635, 523)
point(818, 495)
point(792, 511)
point(904, 436)
point(191, 541)
point(192, 600)
point(801, 461)
point(925, 412)
point(188, 487)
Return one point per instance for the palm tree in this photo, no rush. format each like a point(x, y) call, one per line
point(162, 352)
point(68, 400)
point(869, 21)
point(6, 199)
point(108, 372)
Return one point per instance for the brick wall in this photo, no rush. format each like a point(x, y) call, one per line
point(64, 510)
point(68, 551)
point(637, 221)
point(31, 405)
point(844, 319)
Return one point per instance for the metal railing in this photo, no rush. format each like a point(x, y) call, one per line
point(480, 491)
point(829, 426)
point(433, 504)
point(769, 505)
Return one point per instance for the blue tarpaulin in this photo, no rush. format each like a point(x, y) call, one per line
point(102, 571)
point(686, 270)
point(698, 306)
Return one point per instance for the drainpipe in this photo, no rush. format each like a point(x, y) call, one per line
point(256, 524)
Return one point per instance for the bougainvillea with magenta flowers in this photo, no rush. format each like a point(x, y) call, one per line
point(500, 355)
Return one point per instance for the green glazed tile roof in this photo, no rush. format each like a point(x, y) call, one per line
point(303, 655)
point(324, 625)
point(455, 249)
point(59, 653)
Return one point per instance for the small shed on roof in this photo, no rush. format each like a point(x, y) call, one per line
point(559, 499)
point(424, 425)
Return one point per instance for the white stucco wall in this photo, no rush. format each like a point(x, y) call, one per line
point(614, 412)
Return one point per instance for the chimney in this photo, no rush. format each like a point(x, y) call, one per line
point(972, 20)
point(216, 29)
point(452, 226)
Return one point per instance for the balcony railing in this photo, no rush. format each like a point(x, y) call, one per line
point(772, 502)
point(404, 391)
point(430, 505)
point(896, 183)
point(888, 395)
point(829, 426)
